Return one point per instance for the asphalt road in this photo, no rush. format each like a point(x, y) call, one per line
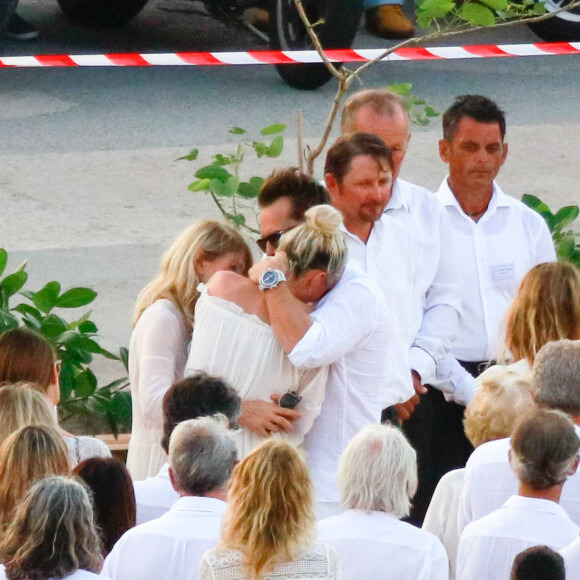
point(90, 191)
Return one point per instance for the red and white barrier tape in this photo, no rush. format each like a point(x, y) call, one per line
point(291, 57)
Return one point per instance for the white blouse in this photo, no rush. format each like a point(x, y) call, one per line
point(157, 355)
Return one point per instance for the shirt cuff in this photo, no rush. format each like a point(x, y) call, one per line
point(422, 362)
point(464, 391)
point(303, 355)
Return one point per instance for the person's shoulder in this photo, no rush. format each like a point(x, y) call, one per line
point(490, 452)
point(162, 311)
point(229, 286)
point(417, 196)
point(519, 207)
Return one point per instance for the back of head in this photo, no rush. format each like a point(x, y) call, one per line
point(23, 404)
point(318, 243)
point(476, 107)
point(501, 397)
point(304, 191)
point(177, 279)
point(546, 308)
point(202, 455)
point(271, 510)
point(538, 563)
point(26, 356)
point(340, 156)
point(544, 449)
point(112, 494)
point(380, 101)
point(378, 471)
point(52, 534)
point(26, 456)
point(199, 395)
point(556, 376)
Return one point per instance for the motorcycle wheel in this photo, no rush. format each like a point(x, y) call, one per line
point(105, 13)
point(564, 27)
point(341, 20)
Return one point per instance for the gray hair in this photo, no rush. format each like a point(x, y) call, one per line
point(380, 102)
point(202, 454)
point(378, 471)
point(52, 533)
point(544, 449)
point(556, 375)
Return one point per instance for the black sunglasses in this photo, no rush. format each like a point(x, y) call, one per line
point(272, 239)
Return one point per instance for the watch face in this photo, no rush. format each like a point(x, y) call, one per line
point(270, 277)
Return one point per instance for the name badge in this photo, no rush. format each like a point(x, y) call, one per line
point(503, 272)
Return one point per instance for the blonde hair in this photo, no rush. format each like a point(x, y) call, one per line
point(380, 101)
point(501, 397)
point(318, 243)
point(52, 534)
point(178, 279)
point(23, 404)
point(546, 308)
point(270, 518)
point(29, 454)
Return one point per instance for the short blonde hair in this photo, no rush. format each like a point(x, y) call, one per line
point(23, 404)
point(52, 534)
point(501, 396)
point(270, 518)
point(318, 243)
point(546, 308)
point(379, 101)
point(178, 279)
point(28, 455)
point(378, 471)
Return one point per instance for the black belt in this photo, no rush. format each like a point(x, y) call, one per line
point(475, 368)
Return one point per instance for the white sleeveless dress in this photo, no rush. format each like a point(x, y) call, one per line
point(241, 348)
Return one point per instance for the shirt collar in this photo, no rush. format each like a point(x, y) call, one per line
point(498, 198)
point(164, 472)
point(398, 200)
point(189, 503)
point(535, 504)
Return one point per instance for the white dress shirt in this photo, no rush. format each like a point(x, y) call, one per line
point(171, 546)
point(441, 516)
point(490, 481)
point(437, 303)
point(571, 555)
point(376, 545)
point(488, 547)
point(494, 255)
point(350, 331)
point(154, 496)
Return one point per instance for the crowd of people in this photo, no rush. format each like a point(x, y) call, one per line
point(391, 391)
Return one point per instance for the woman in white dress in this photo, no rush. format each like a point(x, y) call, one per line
point(52, 534)
point(268, 530)
point(163, 323)
point(233, 340)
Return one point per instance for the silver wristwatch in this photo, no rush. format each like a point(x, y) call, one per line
point(271, 279)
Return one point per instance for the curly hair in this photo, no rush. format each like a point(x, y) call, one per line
point(52, 534)
point(26, 456)
point(546, 309)
point(271, 510)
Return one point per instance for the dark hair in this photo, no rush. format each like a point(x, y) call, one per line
point(26, 356)
point(300, 188)
point(346, 148)
point(113, 497)
point(199, 395)
point(538, 563)
point(481, 109)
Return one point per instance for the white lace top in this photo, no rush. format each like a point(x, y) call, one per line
point(320, 561)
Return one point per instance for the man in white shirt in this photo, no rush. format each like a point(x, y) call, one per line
point(377, 478)
point(350, 330)
point(436, 303)
point(199, 395)
point(489, 480)
point(202, 457)
point(543, 454)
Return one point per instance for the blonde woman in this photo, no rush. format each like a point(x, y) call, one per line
point(232, 337)
point(27, 456)
point(52, 535)
point(268, 530)
point(163, 322)
point(27, 357)
point(546, 308)
point(502, 395)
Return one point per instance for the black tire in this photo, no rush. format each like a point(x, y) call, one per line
point(564, 27)
point(7, 8)
point(341, 20)
point(105, 13)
